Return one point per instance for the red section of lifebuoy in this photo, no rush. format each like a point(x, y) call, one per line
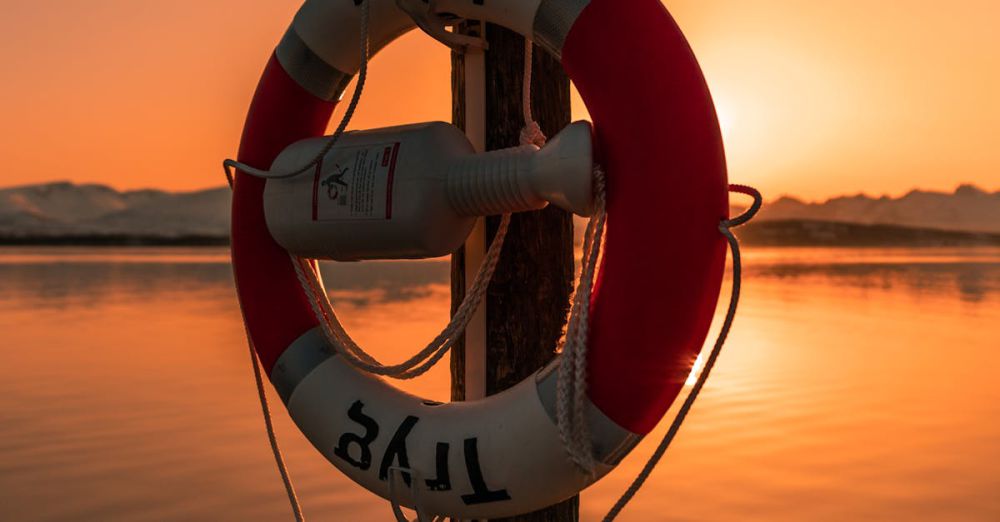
point(275, 308)
point(658, 139)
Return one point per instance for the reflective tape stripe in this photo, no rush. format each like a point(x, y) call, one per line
point(611, 441)
point(553, 21)
point(298, 361)
point(321, 79)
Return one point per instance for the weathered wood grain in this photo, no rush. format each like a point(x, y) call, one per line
point(528, 300)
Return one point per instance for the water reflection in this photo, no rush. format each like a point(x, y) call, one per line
point(58, 278)
point(858, 384)
point(973, 282)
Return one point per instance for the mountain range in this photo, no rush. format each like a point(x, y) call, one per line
point(60, 211)
point(969, 209)
point(65, 209)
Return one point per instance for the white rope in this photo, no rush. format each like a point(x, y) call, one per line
point(286, 479)
point(396, 475)
point(230, 164)
point(435, 350)
point(725, 227)
point(571, 387)
point(227, 166)
point(426, 358)
point(531, 133)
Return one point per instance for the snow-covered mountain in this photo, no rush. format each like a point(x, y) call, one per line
point(969, 208)
point(67, 209)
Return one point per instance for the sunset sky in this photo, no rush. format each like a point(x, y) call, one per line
point(816, 98)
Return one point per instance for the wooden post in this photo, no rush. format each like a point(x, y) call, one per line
point(527, 302)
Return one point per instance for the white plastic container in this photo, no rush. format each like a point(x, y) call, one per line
point(415, 191)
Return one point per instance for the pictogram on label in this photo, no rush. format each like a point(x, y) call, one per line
point(355, 183)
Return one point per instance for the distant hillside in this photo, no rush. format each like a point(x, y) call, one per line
point(66, 210)
point(839, 234)
point(967, 209)
point(67, 213)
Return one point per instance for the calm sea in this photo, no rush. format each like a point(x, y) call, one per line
point(857, 385)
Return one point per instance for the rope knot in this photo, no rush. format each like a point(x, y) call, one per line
point(531, 134)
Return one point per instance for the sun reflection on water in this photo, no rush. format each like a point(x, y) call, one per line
point(842, 394)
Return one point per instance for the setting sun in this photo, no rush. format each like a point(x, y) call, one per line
point(815, 99)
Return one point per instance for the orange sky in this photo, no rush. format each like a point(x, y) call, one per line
point(816, 98)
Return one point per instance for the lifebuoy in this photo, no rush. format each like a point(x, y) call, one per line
point(657, 136)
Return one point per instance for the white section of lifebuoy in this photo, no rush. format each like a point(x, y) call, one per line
point(332, 29)
point(496, 457)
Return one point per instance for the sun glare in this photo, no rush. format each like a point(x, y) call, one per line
point(725, 115)
point(695, 370)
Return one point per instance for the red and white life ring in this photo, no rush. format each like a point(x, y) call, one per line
point(658, 138)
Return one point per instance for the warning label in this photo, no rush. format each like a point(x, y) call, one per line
point(355, 183)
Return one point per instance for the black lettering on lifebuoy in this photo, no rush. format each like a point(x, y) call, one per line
point(362, 441)
point(443, 480)
point(481, 494)
point(397, 450)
